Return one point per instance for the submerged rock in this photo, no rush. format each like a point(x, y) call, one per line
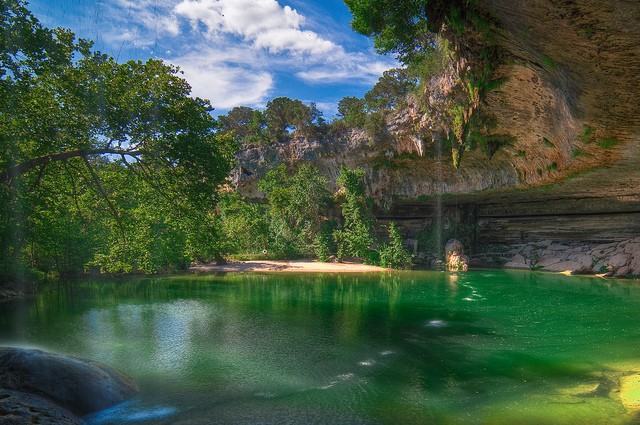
point(630, 392)
point(77, 385)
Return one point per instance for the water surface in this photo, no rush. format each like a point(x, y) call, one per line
point(484, 347)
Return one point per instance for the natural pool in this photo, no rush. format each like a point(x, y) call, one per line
point(483, 347)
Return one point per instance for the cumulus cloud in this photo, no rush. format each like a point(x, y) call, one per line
point(235, 52)
point(265, 23)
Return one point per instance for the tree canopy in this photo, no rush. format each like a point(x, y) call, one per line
point(404, 28)
point(96, 136)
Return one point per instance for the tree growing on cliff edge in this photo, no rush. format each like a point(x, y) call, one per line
point(76, 117)
point(405, 28)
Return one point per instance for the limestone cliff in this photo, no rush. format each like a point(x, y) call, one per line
point(569, 106)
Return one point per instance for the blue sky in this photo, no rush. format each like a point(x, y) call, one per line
point(234, 52)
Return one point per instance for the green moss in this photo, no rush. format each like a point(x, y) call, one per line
point(608, 143)
point(587, 134)
point(578, 153)
point(552, 167)
point(384, 161)
point(587, 30)
point(521, 154)
point(548, 143)
point(549, 63)
point(539, 171)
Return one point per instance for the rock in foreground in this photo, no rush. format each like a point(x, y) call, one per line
point(71, 384)
point(17, 408)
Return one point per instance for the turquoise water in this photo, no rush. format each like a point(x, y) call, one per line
point(483, 347)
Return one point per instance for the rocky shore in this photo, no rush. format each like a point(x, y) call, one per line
point(619, 259)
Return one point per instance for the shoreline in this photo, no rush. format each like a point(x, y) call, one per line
point(288, 266)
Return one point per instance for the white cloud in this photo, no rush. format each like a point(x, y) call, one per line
point(225, 85)
point(234, 52)
point(155, 17)
point(264, 23)
point(353, 68)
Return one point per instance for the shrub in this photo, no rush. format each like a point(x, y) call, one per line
point(393, 254)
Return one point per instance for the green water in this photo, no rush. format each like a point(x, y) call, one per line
point(485, 347)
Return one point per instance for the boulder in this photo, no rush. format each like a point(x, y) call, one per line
point(634, 265)
point(585, 260)
point(564, 266)
point(18, 408)
point(78, 385)
point(623, 271)
point(620, 259)
point(518, 266)
point(517, 262)
point(455, 260)
point(632, 249)
point(557, 247)
point(548, 260)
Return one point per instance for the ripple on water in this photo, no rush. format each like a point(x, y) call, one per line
point(130, 412)
point(437, 323)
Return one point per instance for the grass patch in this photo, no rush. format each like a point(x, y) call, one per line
point(552, 167)
point(521, 154)
point(539, 171)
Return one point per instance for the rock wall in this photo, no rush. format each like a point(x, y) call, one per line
point(611, 259)
point(570, 104)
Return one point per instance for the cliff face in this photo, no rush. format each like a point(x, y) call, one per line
point(569, 104)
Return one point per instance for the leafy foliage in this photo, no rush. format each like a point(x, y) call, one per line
point(393, 254)
point(285, 117)
point(351, 111)
point(356, 237)
point(405, 28)
point(244, 225)
point(101, 163)
point(390, 90)
point(297, 210)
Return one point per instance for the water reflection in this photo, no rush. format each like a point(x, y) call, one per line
point(391, 348)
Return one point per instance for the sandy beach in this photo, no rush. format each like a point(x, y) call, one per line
point(297, 266)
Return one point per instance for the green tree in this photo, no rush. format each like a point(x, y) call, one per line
point(351, 110)
point(67, 111)
point(297, 210)
point(287, 118)
point(406, 27)
point(244, 225)
point(247, 125)
point(393, 254)
point(391, 90)
point(356, 238)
